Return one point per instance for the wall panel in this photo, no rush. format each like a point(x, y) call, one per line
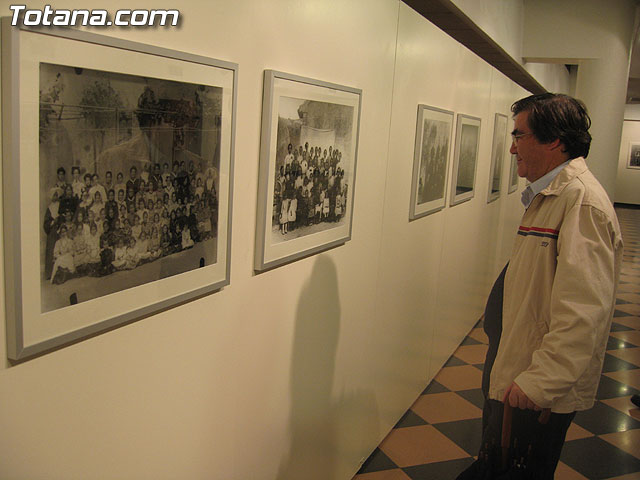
point(298, 372)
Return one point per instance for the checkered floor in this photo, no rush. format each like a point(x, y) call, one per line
point(439, 435)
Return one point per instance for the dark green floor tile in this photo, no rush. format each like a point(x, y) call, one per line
point(597, 459)
point(439, 470)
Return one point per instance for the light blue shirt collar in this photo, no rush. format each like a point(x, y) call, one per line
point(540, 184)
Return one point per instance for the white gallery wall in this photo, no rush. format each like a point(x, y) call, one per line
point(598, 40)
point(298, 372)
point(628, 179)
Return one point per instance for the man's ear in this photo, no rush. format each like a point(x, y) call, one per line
point(555, 144)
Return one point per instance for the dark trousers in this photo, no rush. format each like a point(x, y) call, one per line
point(540, 444)
point(533, 444)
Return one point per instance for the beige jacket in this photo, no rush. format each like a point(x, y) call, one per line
point(559, 294)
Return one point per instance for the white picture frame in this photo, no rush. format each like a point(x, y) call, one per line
point(51, 76)
point(432, 152)
point(465, 161)
point(320, 121)
point(633, 159)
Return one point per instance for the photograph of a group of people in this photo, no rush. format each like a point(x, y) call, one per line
point(128, 181)
point(312, 167)
point(436, 136)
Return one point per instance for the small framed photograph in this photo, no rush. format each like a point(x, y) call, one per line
point(465, 159)
point(430, 161)
point(513, 174)
point(634, 155)
point(497, 156)
point(118, 167)
point(309, 147)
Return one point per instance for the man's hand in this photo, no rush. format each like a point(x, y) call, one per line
point(518, 399)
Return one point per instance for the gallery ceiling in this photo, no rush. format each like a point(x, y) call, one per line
point(448, 17)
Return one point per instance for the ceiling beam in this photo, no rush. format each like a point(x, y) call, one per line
point(453, 21)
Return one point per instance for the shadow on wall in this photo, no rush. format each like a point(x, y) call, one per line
point(322, 428)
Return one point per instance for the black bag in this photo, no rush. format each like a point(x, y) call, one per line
point(512, 459)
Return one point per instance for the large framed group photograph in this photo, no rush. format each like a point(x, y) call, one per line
point(308, 153)
point(430, 161)
point(465, 159)
point(118, 166)
point(497, 156)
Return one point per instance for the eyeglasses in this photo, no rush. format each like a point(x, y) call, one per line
point(517, 136)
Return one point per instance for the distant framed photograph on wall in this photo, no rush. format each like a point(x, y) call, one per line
point(513, 174)
point(497, 156)
point(308, 153)
point(430, 161)
point(118, 166)
point(465, 158)
point(634, 155)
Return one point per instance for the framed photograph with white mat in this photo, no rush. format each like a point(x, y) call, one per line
point(118, 169)
point(430, 161)
point(308, 153)
point(465, 159)
point(633, 161)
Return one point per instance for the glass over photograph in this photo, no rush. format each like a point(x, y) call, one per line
point(309, 144)
point(313, 167)
point(128, 181)
point(431, 161)
point(467, 138)
point(634, 156)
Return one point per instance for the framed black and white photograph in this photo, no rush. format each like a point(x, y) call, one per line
point(430, 161)
point(634, 155)
point(465, 159)
point(308, 153)
point(118, 161)
point(513, 174)
point(497, 156)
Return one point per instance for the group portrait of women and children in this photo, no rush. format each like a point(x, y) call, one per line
point(143, 199)
point(312, 167)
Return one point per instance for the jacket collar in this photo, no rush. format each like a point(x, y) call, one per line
point(576, 167)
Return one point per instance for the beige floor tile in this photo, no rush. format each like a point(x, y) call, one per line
point(631, 322)
point(479, 335)
point(629, 278)
point(631, 308)
point(632, 337)
point(576, 432)
point(629, 297)
point(464, 377)
point(564, 472)
point(445, 407)
point(624, 405)
point(628, 377)
point(473, 354)
point(628, 288)
point(419, 445)
point(631, 355)
point(628, 441)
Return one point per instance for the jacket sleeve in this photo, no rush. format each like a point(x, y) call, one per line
point(581, 305)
